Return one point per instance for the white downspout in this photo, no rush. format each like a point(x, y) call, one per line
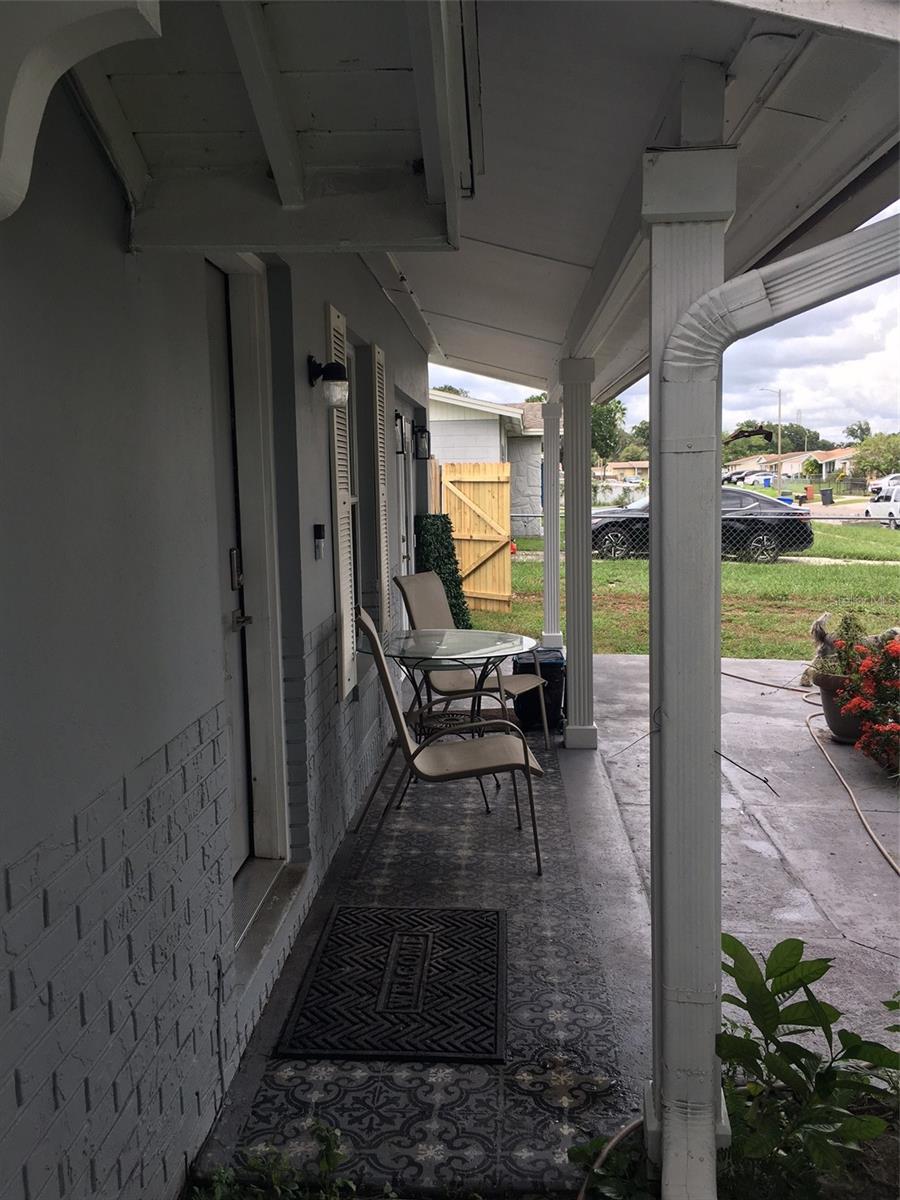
point(690, 955)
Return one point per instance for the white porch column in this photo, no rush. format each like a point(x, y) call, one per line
point(552, 635)
point(688, 200)
point(576, 376)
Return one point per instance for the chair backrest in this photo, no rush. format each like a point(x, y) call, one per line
point(367, 626)
point(425, 600)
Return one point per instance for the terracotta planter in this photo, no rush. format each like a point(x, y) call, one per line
point(843, 729)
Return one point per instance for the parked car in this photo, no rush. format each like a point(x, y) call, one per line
point(633, 481)
point(754, 528)
point(758, 477)
point(888, 507)
point(877, 486)
point(734, 476)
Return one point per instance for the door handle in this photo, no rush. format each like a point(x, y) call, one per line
point(239, 620)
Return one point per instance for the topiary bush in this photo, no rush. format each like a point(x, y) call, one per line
point(435, 552)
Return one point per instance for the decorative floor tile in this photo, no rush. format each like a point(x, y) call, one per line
point(485, 1128)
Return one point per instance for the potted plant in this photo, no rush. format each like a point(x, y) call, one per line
point(858, 676)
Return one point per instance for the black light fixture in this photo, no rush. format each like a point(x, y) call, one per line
point(421, 441)
point(335, 384)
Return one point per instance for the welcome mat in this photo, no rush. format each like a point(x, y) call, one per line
point(407, 983)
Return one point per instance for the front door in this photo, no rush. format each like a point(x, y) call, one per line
point(230, 568)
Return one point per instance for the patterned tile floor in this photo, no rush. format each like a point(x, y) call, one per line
point(432, 1127)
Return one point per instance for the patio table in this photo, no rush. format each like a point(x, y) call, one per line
point(418, 652)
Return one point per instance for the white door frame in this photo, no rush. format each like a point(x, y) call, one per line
point(252, 382)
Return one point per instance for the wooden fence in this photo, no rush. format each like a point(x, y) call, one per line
point(475, 496)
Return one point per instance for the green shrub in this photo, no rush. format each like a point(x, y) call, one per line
point(435, 552)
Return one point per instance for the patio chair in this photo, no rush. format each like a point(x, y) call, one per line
point(427, 608)
point(434, 761)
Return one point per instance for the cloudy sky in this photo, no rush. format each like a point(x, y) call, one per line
point(837, 364)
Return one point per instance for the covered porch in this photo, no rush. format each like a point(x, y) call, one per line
point(567, 195)
point(578, 1007)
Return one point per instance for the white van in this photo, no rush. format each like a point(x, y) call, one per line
point(886, 505)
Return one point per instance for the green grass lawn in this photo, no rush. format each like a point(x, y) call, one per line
point(863, 541)
point(766, 609)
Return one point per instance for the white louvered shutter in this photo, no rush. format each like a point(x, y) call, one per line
point(342, 514)
point(384, 548)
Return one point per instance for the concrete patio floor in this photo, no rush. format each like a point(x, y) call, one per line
point(799, 864)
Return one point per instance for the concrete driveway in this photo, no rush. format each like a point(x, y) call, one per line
point(795, 864)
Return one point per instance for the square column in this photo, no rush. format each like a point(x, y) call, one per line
point(576, 376)
point(552, 635)
point(688, 201)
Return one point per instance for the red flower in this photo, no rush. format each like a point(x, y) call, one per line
point(867, 664)
point(839, 643)
point(857, 705)
point(893, 648)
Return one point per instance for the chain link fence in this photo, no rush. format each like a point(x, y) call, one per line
point(766, 531)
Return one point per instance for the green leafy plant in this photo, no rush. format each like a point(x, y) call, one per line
point(435, 552)
point(623, 1174)
point(803, 1096)
point(797, 1113)
point(273, 1176)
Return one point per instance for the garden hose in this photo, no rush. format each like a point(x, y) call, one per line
point(810, 698)
point(619, 1136)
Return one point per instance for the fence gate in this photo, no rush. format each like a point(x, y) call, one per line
point(475, 496)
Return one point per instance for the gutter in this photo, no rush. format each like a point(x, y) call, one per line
point(690, 973)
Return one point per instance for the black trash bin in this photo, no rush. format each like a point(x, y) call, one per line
point(827, 495)
point(528, 708)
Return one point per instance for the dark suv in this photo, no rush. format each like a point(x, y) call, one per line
point(754, 528)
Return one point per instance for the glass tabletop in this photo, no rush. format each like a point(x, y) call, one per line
point(449, 647)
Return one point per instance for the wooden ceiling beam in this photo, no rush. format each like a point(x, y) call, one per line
point(262, 78)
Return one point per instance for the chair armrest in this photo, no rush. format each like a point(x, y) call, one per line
point(482, 725)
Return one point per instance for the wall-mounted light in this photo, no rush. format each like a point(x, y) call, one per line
point(335, 385)
point(399, 433)
point(421, 441)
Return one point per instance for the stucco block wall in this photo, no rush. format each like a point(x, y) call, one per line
point(116, 950)
point(123, 1006)
point(526, 461)
point(121, 996)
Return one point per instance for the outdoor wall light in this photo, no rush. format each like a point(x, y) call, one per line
point(421, 441)
point(335, 385)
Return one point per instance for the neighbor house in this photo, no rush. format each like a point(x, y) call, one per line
point(202, 204)
point(468, 429)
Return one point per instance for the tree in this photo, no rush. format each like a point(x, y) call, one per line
point(798, 437)
point(634, 452)
point(858, 431)
point(606, 426)
point(812, 468)
point(453, 391)
point(640, 433)
point(878, 455)
point(537, 398)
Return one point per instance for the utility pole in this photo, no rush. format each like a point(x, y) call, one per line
point(777, 392)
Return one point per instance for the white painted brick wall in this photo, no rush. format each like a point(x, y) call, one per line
point(112, 932)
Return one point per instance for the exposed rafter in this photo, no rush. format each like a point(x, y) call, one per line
point(40, 43)
point(395, 286)
point(428, 37)
point(262, 78)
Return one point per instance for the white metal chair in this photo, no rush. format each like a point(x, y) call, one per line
point(434, 761)
point(427, 608)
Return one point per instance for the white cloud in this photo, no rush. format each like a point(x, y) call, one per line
point(834, 365)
